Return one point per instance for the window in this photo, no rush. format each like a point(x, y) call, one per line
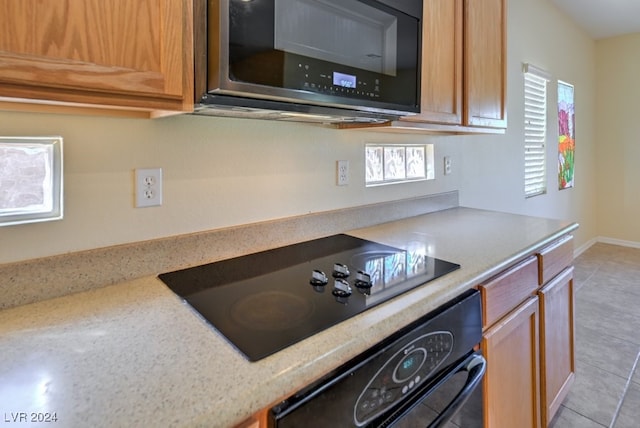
point(30, 179)
point(535, 130)
point(393, 163)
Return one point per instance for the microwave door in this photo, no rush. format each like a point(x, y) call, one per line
point(346, 54)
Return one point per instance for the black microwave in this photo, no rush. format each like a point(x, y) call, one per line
point(311, 60)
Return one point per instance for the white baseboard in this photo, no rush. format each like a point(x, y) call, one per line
point(620, 242)
point(604, 240)
point(581, 249)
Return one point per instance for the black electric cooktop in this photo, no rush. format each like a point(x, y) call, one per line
point(266, 301)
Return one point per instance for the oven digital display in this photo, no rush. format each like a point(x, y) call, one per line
point(409, 365)
point(344, 80)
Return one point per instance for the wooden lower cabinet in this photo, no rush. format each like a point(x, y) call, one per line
point(253, 422)
point(557, 342)
point(528, 338)
point(258, 420)
point(511, 386)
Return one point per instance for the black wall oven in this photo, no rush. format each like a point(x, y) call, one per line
point(358, 58)
point(426, 375)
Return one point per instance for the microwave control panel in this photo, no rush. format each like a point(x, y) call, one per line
point(321, 78)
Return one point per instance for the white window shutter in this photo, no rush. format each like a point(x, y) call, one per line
point(535, 130)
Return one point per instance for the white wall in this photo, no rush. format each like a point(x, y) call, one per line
point(539, 34)
point(217, 173)
point(221, 172)
point(618, 136)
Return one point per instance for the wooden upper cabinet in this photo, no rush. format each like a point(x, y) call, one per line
point(131, 55)
point(485, 76)
point(441, 89)
point(463, 66)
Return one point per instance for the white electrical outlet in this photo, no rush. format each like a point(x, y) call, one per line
point(447, 165)
point(342, 172)
point(148, 187)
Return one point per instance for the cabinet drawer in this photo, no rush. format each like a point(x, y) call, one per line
point(553, 259)
point(507, 290)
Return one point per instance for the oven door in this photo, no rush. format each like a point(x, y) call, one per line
point(353, 54)
point(424, 375)
point(456, 399)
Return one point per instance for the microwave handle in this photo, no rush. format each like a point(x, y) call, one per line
point(475, 365)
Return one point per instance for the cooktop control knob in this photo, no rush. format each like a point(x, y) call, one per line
point(341, 288)
point(318, 278)
point(363, 279)
point(340, 270)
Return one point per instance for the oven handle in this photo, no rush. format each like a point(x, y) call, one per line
point(474, 364)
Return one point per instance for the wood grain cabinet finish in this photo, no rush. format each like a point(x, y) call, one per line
point(511, 383)
point(512, 396)
point(557, 342)
point(485, 72)
point(441, 89)
point(259, 419)
point(554, 258)
point(123, 54)
point(253, 422)
point(502, 293)
point(463, 64)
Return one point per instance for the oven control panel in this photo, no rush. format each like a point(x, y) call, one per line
point(403, 372)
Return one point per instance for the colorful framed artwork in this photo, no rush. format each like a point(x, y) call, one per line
point(566, 135)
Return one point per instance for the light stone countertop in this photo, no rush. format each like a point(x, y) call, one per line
point(134, 355)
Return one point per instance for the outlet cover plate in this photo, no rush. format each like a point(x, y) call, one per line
point(148, 183)
point(342, 172)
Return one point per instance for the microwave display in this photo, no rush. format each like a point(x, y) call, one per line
point(343, 52)
point(344, 80)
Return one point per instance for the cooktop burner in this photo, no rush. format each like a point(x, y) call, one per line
point(266, 301)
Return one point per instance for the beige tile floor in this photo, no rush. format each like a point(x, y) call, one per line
point(606, 391)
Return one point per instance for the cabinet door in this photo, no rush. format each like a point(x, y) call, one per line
point(508, 289)
point(485, 63)
point(557, 359)
point(127, 53)
point(441, 89)
point(511, 383)
point(554, 258)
